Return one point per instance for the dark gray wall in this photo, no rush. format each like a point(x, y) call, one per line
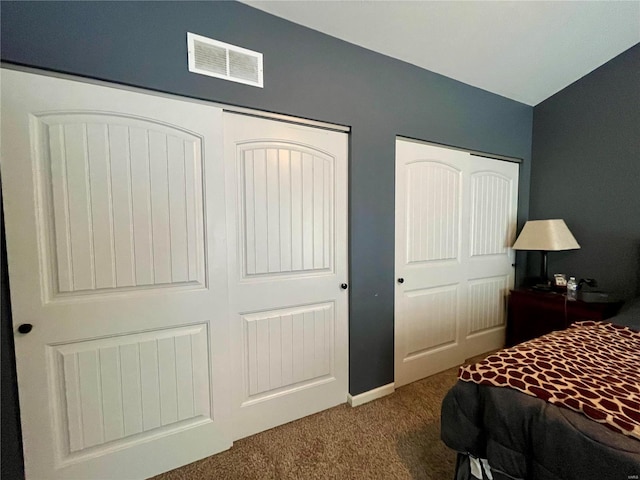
point(309, 75)
point(11, 451)
point(586, 169)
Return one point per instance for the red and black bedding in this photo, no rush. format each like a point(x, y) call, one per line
point(592, 368)
point(571, 409)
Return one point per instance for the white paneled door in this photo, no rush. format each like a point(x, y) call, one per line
point(118, 277)
point(455, 223)
point(287, 225)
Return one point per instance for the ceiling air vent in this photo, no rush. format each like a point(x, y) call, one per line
point(217, 59)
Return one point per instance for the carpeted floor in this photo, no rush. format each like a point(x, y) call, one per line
point(395, 437)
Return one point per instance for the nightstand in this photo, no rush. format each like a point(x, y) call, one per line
point(533, 313)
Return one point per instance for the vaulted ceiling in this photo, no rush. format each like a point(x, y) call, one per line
point(523, 50)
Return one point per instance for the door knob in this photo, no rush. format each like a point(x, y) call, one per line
point(25, 328)
point(401, 280)
point(344, 286)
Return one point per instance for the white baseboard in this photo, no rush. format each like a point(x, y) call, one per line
point(365, 397)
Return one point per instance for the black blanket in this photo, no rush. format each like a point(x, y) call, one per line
point(523, 437)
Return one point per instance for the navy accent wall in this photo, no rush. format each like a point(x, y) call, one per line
point(307, 74)
point(11, 451)
point(586, 169)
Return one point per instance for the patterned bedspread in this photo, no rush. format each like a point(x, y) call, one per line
point(591, 367)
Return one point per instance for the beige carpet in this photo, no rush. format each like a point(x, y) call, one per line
point(395, 437)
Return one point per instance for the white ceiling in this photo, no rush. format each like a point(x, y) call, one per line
point(523, 50)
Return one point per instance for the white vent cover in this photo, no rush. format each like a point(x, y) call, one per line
point(217, 59)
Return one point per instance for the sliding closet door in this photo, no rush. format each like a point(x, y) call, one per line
point(490, 260)
point(455, 221)
point(287, 226)
point(117, 268)
point(431, 236)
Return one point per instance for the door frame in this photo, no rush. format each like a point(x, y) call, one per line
point(225, 107)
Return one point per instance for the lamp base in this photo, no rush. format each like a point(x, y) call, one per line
point(540, 287)
point(540, 284)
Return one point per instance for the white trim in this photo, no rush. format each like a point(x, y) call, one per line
point(285, 118)
point(476, 153)
point(374, 394)
point(229, 108)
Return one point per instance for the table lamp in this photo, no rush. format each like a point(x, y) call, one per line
point(545, 236)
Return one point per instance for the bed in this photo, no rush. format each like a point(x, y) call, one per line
point(503, 433)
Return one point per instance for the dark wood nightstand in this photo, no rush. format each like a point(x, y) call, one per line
point(532, 313)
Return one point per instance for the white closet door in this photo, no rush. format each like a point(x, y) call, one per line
point(287, 224)
point(124, 372)
point(455, 220)
point(490, 260)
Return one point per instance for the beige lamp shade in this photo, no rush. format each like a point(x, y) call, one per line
point(546, 235)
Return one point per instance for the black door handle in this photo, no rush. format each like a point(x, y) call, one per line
point(344, 286)
point(25, 328)
point(401, 280)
